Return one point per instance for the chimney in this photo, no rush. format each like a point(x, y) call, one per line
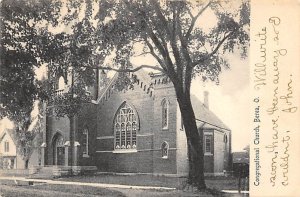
point(206, 103)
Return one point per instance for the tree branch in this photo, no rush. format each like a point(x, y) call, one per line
point(176, 52)
point(162, 47)
point(142, 54)
point(184, 45)
point(214, 51)
point(162, 18)
point(194, 19)
point(164, 53)
point(170, 34)
point(160, 61)
point(124, 70)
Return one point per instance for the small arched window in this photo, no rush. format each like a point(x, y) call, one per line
point(85, 142)
point(225, 138)
point(164, 150)
point(125, 127)
point(165, 113)
point(61, 83)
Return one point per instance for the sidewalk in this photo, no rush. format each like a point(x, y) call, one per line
point(100, 185)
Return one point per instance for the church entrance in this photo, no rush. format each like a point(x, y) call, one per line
point(58, 150)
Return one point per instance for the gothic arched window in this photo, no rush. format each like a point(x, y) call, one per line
point(164, 150)
point(165, 113)
point(61, 83)
point(125, 127)
point(225, 138)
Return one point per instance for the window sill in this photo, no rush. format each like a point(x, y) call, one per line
point(165, 157)
point(165, 128)
point(208, 154)
point(125, 151)
point(85, 156)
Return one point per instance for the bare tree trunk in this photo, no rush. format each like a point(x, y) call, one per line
point(194, 141)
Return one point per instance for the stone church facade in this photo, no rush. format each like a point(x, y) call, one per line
point(138, 130)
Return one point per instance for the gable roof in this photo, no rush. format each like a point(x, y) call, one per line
point(2, 135)
point(206, 116)
point(141, 74)
point(203, 114)
point(7, 132)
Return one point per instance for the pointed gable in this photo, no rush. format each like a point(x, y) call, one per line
point(142, 76)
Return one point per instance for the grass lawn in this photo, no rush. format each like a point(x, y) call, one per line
point(140, 180)
point(226, 183)
point(45, 190)
point(52, 190)
point(219, 183)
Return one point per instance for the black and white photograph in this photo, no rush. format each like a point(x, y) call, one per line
point(126, 98)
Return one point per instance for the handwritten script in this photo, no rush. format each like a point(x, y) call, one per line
point(269, 78)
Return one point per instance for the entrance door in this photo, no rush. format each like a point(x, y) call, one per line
point(58, 150)
point(60, 155)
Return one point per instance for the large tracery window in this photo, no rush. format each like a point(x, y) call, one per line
point(125, 127)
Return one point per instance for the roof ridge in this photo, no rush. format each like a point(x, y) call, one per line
point(112, 81)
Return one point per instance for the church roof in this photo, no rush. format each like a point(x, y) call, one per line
point(203, 114)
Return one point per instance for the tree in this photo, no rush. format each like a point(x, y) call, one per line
point(19, 56)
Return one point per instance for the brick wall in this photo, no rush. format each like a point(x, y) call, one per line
point(150, 136)
point(219, 150)
point(165, 91)
point(99, 120)
point(87, 120)
point(105, 157)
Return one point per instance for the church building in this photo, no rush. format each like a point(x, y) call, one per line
point(137, 130)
